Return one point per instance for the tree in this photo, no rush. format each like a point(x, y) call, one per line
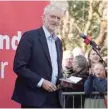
point(84, 16)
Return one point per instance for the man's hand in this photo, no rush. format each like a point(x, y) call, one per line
point(47, 85)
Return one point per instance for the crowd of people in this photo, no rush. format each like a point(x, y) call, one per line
point(93, 72)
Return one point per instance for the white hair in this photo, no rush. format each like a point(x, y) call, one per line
point(67, 54)
point(52, 7)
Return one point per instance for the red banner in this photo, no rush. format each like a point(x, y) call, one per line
point(15, 18)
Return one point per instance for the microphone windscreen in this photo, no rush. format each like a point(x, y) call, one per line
point(87, 40)
point(83, 35)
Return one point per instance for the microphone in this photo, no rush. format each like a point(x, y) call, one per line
point(88, 40)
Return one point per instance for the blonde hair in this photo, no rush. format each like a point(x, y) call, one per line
point(99, 63)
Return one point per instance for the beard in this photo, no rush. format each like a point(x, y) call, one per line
point(53, 29)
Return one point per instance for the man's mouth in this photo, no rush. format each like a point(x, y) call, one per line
point(54, 24)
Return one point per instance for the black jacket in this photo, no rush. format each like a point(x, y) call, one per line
point(31, 63)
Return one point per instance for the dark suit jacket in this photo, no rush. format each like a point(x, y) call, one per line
point(31, 63)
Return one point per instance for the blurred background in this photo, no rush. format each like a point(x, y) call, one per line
point(89, 17)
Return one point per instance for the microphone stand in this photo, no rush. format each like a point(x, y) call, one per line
point(96, 50)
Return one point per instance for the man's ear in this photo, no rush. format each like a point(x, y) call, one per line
point(43, 17)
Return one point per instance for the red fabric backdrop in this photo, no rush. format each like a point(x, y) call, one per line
point(15, 18)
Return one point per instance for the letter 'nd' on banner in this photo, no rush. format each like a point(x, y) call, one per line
point(15, 18)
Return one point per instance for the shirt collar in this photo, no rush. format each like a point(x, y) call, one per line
point(48, 34)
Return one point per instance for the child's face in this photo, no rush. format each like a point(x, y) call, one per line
point(99, 70)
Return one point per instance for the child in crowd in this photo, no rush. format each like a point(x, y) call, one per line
point(96, 82)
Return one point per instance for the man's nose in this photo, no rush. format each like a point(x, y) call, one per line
point(57, 19)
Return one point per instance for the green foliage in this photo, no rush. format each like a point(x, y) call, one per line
point(79, 11)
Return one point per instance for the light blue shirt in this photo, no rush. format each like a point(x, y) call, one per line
point(53, 56)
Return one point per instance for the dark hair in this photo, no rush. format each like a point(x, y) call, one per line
point(89, 61)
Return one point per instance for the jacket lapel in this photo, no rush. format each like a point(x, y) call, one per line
point(58, 51)
point(44, 44)
point(58, 54)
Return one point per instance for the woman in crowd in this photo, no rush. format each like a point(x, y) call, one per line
point(93, 58)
